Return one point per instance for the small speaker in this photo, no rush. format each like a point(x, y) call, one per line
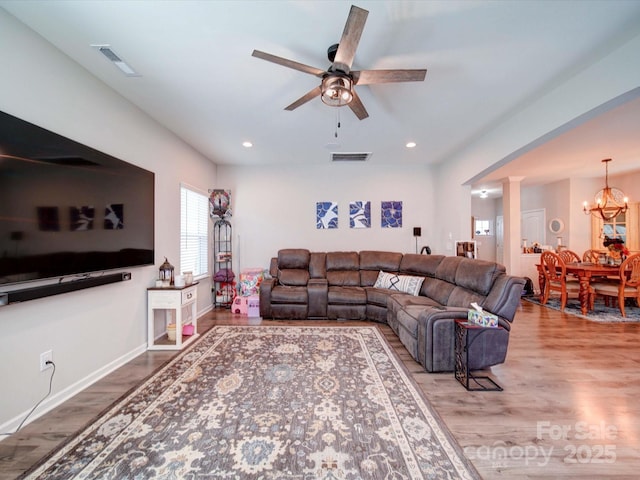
point(417, 231)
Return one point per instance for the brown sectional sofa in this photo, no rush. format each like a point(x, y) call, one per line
point(342, 285)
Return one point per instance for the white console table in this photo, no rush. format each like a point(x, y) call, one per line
point(173, 301)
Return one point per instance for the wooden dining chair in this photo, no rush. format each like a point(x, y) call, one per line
point(592, 256)
point(554, 270)
point(628, 285)
point(569, 256)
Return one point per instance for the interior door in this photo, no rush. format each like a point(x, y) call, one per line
point(533, 226)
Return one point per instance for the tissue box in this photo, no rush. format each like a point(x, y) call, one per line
point(484, 319)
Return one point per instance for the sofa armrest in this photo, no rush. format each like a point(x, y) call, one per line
point(317, 289)
point(436, 341)
point(436, 337)
point(265, 296)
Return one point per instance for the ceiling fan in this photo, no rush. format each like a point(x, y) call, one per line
point(338, 82)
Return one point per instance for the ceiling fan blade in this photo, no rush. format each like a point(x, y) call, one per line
point(350, 39)
point(288, 63)
point(369, 77)
point(305, 98)
point(357, 107)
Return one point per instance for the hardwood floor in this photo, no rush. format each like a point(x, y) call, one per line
point(569, 408)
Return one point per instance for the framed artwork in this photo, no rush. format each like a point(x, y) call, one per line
point(81, 218)
point(326, 215)
point(48, 219)
point(360, 214)
point(391, 214)
point(114, 216)
point(220, 201)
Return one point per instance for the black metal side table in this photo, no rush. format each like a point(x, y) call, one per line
point(465, 335)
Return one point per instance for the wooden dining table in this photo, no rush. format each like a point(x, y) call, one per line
point(585, 271)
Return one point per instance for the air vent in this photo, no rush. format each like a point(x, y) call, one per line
point(116, 60)
point(350, 156)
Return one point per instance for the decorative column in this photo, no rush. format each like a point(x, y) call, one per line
point(511, 214)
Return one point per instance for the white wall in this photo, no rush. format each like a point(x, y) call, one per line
point(94, 330)
point(274, 207)
point(559, 105)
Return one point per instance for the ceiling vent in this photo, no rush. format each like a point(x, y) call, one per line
point(116, 60)
point(350, 156)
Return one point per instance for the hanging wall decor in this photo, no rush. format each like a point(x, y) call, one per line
point(360, 214)
point(391, 214)
point(326, 215)
point(220, 202)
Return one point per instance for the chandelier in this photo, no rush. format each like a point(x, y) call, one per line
point(610, 202)
point(336, 89)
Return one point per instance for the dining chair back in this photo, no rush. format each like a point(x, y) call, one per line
point(628, 285)
point(592, 256)
point(569, 256)
point(554, 270)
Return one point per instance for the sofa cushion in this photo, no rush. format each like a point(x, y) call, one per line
point(343, 261)
point(289, 295)
point(437, 289)
point(343, 269)
point(293, 258)
point(344, 278)
point(478, 275)
point(293, 277)
point(400, 283)
point(347, 295)
point(371, 262)
point(408, 318)
point(398, 301)
point(378, 296)
point(447, 269)
point(462, 297)
point(425, 265)
point(293, 266)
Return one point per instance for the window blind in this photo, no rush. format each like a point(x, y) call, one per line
point(194, 232)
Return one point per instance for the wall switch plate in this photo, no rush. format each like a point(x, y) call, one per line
point(44, 358)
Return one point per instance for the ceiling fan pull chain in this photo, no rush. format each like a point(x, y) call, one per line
point(337, 122)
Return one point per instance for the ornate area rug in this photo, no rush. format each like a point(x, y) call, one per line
point(269, 402)
point(600, 312)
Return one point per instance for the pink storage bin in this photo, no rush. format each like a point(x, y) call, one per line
point(188, 329)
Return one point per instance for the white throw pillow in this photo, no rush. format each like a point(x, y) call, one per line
point(400, 283)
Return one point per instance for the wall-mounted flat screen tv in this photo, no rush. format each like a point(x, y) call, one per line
point(67, 209)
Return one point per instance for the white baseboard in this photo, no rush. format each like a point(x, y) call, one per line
point(57, 399)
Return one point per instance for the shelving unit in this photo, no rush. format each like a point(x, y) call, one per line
point(172, 300)
point(223, 291)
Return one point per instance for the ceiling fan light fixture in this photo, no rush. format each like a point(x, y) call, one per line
point(609, 202)
point(336, 90)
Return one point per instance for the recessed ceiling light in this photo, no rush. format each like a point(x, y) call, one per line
point(411, 145)
point(484, 194)
point(247, 144)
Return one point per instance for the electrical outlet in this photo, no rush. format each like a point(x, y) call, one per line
point(44, 358)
